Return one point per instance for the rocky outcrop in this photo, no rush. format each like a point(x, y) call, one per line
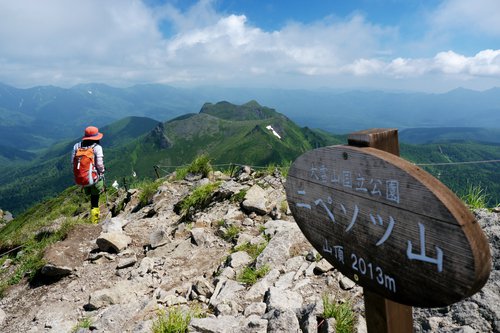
point(119, 273)
point(480, 312)
point(5, 216)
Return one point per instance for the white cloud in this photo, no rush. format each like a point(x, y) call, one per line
point(118, 42)
point(484, 63)
point(480, 16)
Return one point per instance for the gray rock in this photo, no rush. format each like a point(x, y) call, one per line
point(346, 283)
point(229, 308)
point(203, 288)
point(275, 226)
point(56, 271)
point(361, 325)
point(323, 266)
point(171, 300)
point(465, 329)
point(50, 229)
point(276, 298)
point(228, 273)
point(118, 294)
point(3, 316)
point(114, 224)
point(308, 317)
point(158, 238)
point(253, 324)
point(256, 200)
point(294, 264)
point(239, 259)
point(126, 262)
point(258, 290)
point(113, 242)
point(280, 321)
point(146, 266)
point(222, 324)
point(101, 298)
point(199, 236)
point(285, 281)
point(233, 213)
point(277, 250)
point(256, 308)
point(226, 290)
point(328, 325)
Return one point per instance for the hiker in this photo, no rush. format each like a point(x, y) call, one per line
point(88, 168)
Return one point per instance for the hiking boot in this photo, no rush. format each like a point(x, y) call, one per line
point(94, 215)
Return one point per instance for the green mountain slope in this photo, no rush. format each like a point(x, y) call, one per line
point(50, 173)
point(240, 134)
point(449, 134)
point(227, 133)
point(459, 176)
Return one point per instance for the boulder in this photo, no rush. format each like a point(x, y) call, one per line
point(239, 259)
point(277, 251)
point(256, 308)
point(280, 299)
point(114, 224)
point(158, 238)
point(126, 262)
point(221, 324)
point(113, 242)
point(280, 321)
point(56, 271)
point(256, 200)
point(226, 290)
point(253, 324)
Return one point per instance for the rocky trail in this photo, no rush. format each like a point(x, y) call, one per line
point(118, 274)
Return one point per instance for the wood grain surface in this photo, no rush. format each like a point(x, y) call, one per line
point(388, 225)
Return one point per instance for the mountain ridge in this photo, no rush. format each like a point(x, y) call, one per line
point(135, 145)
point(45, 108)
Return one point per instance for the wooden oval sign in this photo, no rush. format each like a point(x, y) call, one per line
point(388, 225)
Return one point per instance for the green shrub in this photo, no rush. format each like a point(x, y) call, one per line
point(253, 250)
point(86, 322)
point(199, 198)
point(284, 206)
point(272, 168)
point(250, 275)
point(200, 165)
point(175, 321)
point(342, 313)
point(29, 260)
point(475, 197)
point(239, 197)
point(148, 189)
point(181, 173)
point(231, 233)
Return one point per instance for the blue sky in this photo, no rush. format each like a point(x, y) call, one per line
point(421, 45)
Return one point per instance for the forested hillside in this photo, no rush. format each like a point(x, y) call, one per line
point(227, 133)
point(457, 175)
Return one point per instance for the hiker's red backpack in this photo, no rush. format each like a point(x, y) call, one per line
point(84, 168)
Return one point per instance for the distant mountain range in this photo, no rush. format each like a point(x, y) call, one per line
point(37, 117)
point(151, 125)
point(227, 133)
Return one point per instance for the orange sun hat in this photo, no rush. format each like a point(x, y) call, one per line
point(92, 133)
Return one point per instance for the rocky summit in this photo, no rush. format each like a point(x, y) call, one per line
point(145, 258)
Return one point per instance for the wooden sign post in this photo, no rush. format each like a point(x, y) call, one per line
point(382, 314)
point(389, 226)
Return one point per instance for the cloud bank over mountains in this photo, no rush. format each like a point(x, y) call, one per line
point(123, 43)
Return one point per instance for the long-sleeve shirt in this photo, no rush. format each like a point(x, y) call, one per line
point(98, 156)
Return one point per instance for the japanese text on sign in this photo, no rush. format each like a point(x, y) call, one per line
point(388, 188)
